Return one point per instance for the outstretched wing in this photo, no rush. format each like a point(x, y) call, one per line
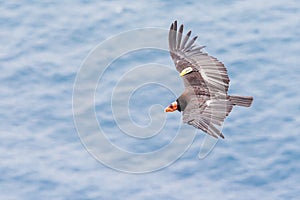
point(207, 70)
point(208, 107)
point(207, 115)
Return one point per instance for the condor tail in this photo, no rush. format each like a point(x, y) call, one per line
point(241, 100)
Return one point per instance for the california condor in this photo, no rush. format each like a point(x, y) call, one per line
point(204, 102)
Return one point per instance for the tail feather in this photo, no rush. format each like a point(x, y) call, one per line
point(241, 100)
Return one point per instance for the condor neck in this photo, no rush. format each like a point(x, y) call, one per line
point(181, 104)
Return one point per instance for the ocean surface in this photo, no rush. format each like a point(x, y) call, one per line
point(44, 47)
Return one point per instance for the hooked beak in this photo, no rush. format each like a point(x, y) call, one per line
point(186, 71)
point(172, 107)
point(168, 109)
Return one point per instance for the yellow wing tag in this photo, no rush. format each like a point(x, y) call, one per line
point(186, 71)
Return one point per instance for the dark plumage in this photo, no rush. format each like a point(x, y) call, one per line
point(204, 102)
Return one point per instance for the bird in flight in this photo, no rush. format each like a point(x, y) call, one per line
point(204, 103)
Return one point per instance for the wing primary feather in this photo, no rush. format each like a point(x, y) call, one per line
point(191, 42)
point(179, 36)
point(190, 49)
point(186, 38)
point(171, 37)
point(199, 48)
point(212, 130)
point(175, 25)
point(174, 34)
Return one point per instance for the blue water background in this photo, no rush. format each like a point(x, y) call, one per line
point(42, 47)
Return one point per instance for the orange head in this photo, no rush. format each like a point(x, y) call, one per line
point(172, 107)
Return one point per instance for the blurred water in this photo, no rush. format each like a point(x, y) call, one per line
point(42, 47)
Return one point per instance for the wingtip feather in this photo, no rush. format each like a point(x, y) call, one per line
point(181, 28)
point(175, 25)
